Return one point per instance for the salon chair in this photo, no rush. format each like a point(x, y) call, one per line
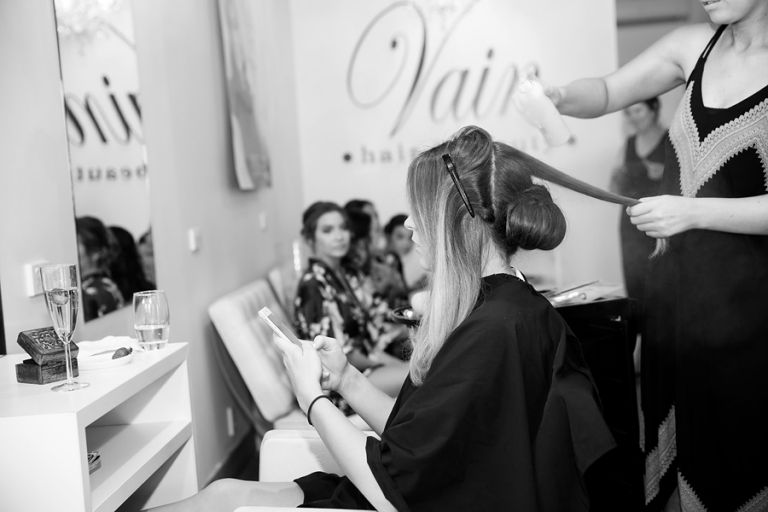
point(249, 343)
point(283, 282)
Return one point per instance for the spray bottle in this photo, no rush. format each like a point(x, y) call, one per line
point(539, 111)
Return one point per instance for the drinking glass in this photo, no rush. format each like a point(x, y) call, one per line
point(60, 287)
point(151, 319)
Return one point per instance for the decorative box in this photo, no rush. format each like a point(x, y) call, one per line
point(43, 346)
point(30, 372)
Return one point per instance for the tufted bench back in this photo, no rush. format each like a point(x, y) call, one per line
point(249, 342)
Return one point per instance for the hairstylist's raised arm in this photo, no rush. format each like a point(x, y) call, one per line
point(661, 67)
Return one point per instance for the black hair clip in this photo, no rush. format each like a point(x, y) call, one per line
point(451, 168)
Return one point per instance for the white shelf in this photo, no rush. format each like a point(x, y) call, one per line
point(120, 458)
point(136, 415)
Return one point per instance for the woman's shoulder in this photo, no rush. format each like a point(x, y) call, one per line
point(683, 45)
point(689, 41)
point(695, 35)
point(519, 325)
point(505, 311)
point(316, 275)
point(316, 269)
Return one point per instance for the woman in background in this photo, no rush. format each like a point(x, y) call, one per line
point(400, 254)
point(333, 299)
point(146, 250)
point(639, 176)
point(498, 411)
point(375, 266)
point(704, 385)
point(100, 293)
point(376, 236)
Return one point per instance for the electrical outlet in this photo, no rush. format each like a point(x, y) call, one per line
point(230, 422)
point(33, 284)
point(193, 239)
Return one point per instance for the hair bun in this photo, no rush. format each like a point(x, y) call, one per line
point(534, 221)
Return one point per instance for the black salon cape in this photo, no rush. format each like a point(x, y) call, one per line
point(506, 419)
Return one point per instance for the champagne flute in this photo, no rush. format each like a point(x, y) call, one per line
point(60, 287)
point(151, 319)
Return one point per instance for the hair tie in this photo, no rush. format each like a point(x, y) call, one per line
point(312, 403)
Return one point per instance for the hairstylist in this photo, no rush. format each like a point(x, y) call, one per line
point(704, 385)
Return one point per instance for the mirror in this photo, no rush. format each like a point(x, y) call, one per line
point(107, 156)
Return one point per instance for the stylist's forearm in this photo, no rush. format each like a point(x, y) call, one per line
point(586, 97)
point(744, 215)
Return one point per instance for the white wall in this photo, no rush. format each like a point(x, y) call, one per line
point(632, 39)
point(181, 75)
point(446, 68)
point(36, 220)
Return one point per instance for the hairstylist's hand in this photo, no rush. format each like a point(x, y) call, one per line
point(663, 216)
point(304, 369)
point(334, 361)
point(554, 93)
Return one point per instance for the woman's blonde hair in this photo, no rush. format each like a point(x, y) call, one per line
point(510, 212)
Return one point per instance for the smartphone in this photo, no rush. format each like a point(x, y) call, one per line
point(277, 326)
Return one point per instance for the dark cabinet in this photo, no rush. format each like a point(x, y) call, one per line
point(606, 331)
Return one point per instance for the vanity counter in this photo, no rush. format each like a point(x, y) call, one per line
point(137, 415)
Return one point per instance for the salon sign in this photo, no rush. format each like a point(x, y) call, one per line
point(379, 81)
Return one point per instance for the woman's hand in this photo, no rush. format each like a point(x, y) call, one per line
point(334, 361)
point(555, 94)
point(664, 216)
point(304, 369)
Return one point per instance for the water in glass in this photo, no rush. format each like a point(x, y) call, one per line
point(151, 319)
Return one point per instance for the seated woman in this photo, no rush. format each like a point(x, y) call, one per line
point(498, 411)
point(378, 270)
point(375, 235)
point(334, 299)
point(400, 253)
point(100, 293)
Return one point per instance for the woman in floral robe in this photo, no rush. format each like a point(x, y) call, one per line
point(334, 299)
